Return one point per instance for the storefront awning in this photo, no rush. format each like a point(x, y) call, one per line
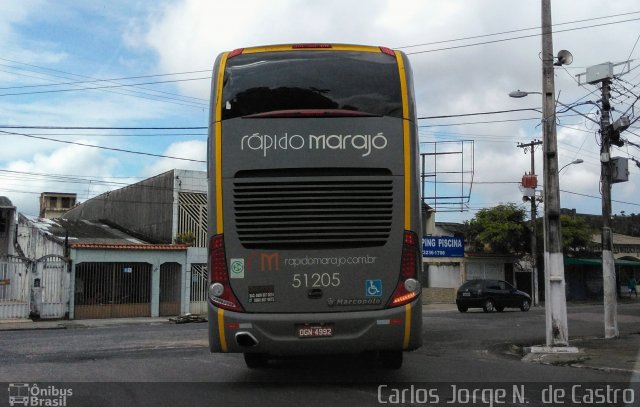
point(571, 261)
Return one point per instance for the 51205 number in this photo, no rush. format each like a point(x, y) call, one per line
point(316, 280)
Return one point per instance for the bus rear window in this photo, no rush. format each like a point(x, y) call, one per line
point(365, 82)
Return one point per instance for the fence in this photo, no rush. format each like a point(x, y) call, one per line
point(198, 304)
point(14, 288)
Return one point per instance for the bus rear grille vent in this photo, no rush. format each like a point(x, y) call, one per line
point(320, 213)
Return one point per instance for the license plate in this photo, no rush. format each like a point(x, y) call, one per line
point(314, 330)
point(466, 294)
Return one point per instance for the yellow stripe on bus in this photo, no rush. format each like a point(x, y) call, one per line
point(223, 339)
point(218, 137)
point(407, 326)
point(406, 137)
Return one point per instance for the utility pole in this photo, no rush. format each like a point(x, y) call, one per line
point(612, 170)
point(608, 266)
point(534, 244)
point(557, 332)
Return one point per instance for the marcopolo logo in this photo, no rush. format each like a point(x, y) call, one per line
point(25, 394)
point(365, 143)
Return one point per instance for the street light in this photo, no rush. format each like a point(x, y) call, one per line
point(576, 161)
point(520, 94)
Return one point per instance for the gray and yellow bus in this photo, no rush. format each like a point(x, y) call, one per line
point(314, 212)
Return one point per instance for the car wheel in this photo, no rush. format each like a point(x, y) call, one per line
point(391, 359)
point(256, 360)
point(499, 308)
point(488, 306)
point(462, 308)
point(525, 306)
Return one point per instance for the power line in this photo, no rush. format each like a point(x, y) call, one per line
point(517, 38)
point(479, 122)
point(632, 49)
point(11, 126)
point(101, 147)
point(113, 91)
point(155, 96)
point(515, 31)
point(108, 80)
point(102, 87)
point(598, 197)
point(477, 113)
point(79, 179)
point(124, 135)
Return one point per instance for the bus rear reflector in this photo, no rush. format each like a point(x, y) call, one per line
point(408, 270)
point(235, 53)
point(220, 274)
point(388, 51)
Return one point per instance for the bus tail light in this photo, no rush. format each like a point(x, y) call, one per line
point(220, 292)
point(408, 287)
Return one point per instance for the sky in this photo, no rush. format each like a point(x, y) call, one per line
point(122, 85)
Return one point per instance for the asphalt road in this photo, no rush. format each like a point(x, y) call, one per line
point(167, 364)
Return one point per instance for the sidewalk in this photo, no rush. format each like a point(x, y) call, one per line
point(27, 324)
point(620, 354)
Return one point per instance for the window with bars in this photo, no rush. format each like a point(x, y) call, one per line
point(192, 217)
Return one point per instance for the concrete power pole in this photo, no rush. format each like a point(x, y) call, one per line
point(535, 294)
point(608, 266)
point(557, 332)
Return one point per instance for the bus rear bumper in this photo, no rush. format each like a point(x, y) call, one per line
point(397, 328)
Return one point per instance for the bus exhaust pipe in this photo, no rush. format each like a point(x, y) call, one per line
point(246, 340)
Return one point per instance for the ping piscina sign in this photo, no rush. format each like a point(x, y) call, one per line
point(442, 246)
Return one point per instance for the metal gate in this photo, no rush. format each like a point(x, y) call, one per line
point(14, 288)
point(198, 304)
point(53, 274)
point(112, 290)
point(170, 289)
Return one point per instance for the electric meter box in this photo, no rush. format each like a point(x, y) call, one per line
point(619, 169)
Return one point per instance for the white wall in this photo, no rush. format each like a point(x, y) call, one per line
point(444, 275)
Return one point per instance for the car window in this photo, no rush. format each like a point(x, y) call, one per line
point(466, 285)
point(472, 284)
point(493, 285)
point(507, 286)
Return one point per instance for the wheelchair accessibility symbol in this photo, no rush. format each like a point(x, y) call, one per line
point(373, 288)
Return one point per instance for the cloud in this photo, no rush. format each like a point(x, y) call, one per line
point(195, 150)
point(72, 168)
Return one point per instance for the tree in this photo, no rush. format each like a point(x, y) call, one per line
point(501, 229)
point(576, 234)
